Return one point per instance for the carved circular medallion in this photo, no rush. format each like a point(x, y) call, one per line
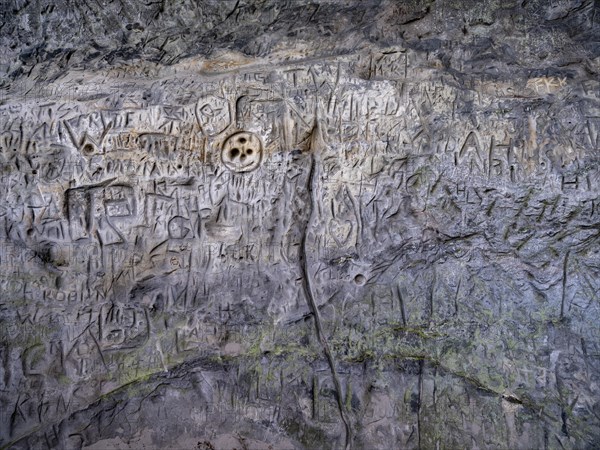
point(242, 152)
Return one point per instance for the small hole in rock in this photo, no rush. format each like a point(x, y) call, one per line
point(242, 140)
point(243, 157)
point(360, 279)
point(234, 152)
point(249, 151)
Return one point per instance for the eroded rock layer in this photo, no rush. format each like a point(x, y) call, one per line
point(286, 224)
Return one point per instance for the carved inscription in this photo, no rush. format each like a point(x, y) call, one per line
point(242, 152)
point(289, 234)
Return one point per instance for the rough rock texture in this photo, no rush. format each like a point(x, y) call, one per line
point(289, 224)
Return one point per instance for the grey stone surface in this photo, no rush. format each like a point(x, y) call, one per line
point(288, 224)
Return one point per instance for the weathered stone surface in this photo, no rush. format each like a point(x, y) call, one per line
point(285, 224)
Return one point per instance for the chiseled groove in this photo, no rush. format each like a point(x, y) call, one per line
point(310, 297)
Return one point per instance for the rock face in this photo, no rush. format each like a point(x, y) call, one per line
point(288, 224)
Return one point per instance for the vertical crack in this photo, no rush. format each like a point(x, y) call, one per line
point(307, 286)
point(564, 286)
point(402, 308)
point(419, 403)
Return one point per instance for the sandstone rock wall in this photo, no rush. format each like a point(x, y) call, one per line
point(284, 224)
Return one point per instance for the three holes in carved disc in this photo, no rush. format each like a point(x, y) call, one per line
point(242, 152)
